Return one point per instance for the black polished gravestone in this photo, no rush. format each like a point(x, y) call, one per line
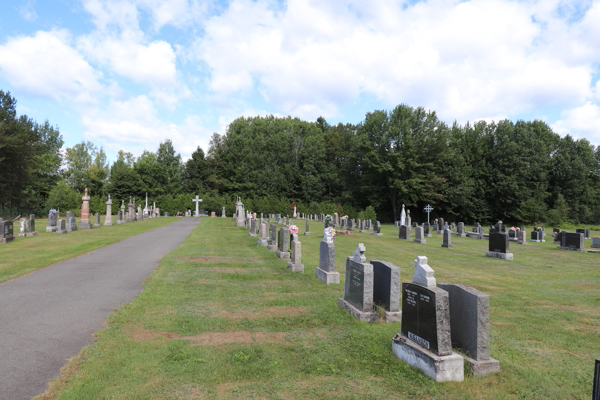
point(426, 229)
point(386, 285)
point(426, 317)
point(354, 290)
point(596, 391)
point(559, 236)
point(572, 241)
point(586, 232)
point(498, 242)
point(7, 229)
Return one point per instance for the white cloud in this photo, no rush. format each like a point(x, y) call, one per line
point(466, 60)
point(27, 11)
point(581, 122)
point(46, 65)
point(133, 125)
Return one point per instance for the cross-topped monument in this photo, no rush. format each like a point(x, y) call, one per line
point(197, 200)
point(428, 209)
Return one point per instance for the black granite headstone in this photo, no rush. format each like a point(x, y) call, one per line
point(419, 322)
point(355, 286)
point(382, 283)
point(572, 240)
point(403, 232)
point(596, 392)
point(426, 229)
point(8, 229)
point(559, 236)
point(498, 242)
point(535, 235)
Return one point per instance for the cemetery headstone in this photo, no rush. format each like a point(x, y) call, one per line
point(326, 271)
point(460, 229)
point(358, 287)
point(84, 218)
point(272, 238)
point(32, 228)
point(62, 229)
point(469, 326)
point(440, 226)
point(97, 224)
point(537, 236)
point(426, 230)
point(498, 246)
point(522, 236)
point(586, 233)
point(6, 231)
point(420, 235)
point(306, 227)
point(295, 263)
point(52, 221)
point(239, 213)
point(559, 235)
point(71, 221)
point(596, 243)
point(349, 224)
point(121, 219)
point(403, 232)
point(447, 239)
point(252, 228)
point(377, 229)
point(108, 217)
point(283, 244)
point(572, 241)
point(263, 239)
point(596, 390)
point(425, 340)
point(387, 289)
point(223, 213)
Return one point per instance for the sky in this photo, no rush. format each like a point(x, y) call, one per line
point(128, 74)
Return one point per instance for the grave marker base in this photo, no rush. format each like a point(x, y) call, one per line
point(438, 368)
point(459, 234)
point(420, 241)
point(119, 222)
point(537, 241)
point(283, 254)
point(474, 235)
point(377, 234)
point(296, 267)
point(97, 225)
point(62, 232)
point(495, 254)
point(306, 233)
point(572, 248)
point(262, 242)
point(328, 277)
point(483, 367)
point(28, 234)
point(272, 247)
point(51, 228)
point(7, 239)
point(448, 246)
point(251, 234)
point(393, 316)
point(370, 316)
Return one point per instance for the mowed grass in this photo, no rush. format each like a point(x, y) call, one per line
point(28, 254)
point(223, 318)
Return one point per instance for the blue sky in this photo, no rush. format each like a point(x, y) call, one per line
point(128, 74)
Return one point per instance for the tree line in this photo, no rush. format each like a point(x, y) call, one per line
point(520, 172)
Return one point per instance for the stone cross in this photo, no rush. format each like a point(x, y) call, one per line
point(360, 253)
point(197, 200)
point(428, 209)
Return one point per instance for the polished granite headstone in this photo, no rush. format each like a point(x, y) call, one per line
point(377, 229)
point(283, 243)
point(6, 231)
point(572, 241)
point(358, 287)
point(326, 271)
point(559, 236)
point(386, 289)
point(447, 239)
point(272, 246)
point(537, 236)
point(586, 232)
point(403, 232)
point(498, 246)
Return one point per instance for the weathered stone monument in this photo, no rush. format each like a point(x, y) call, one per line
point(447, 239)
point(522, 236)
point(240, 213)
point(425, 340)
point(460, 229)
point(108, 217)
point(223, 213)
point(387, 288)
point(272, 238)
point(62, 229)
point(84, 219)
point(283, 243)
point(469, 325)
point(197, 200)
point(52, 221)
point(121, 219)
point(358, 287)
point(420, 235)
point(263, 239)
point(377, 229)
point(97, 224)
point(498, 246)
point(71, 226)
point(6, 231)
point(306, 227)
point(295, 263)
point(326, 271)
point(252, 231)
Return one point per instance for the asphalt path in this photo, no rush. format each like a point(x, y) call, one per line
point(47, 317)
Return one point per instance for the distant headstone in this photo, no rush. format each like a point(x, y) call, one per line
point(6, 231)
point(572, 241)
point(420, 235)
point(377, 229)
point(272, 237)
point(108, 217)
point(559, 236)
point(71, 223)
point(283, 243)
point(252, 231)
point(586, 232)
point(469, 324)
point(522, 236)
point(387, 289)
point(62, 228)
point(537, 236)
point(358, 287)
point(447, 238)
point(596, 243)
point(295, 263)
point(326, 271)
point(263, 239)
point(403, 232)
point(349, 224)
point(426, 230)
point(84, 219)
point(460, 229)
point(97, 224)
point(440, 226)
point(306, 227)
point(52, 221)
point(498, 246)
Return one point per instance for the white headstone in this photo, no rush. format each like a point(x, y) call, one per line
point(424, 274)
point(359, 256)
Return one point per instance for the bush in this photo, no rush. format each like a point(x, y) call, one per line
point(65, 198)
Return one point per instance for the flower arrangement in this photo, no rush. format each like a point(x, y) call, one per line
point(293, 229)
point(328, 220)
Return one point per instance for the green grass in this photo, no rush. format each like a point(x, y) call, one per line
point(28, 254)
point(222, 318)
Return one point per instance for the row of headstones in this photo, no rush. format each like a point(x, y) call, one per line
point(425, 324)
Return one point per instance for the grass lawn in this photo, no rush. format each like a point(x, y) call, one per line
point(28, 254)
point(223, 318)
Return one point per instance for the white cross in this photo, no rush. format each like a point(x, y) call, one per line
point(197, 200)
point(428, 209)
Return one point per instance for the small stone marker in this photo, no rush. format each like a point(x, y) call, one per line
point(498, 246)
point(420, 235)
point(252, 231)
point(469, 325)
point(596, 243)
point(295, 264)
point(262, 241)
point(306, 227)
point(537, 236)
point(62, 229)
point(425, 340)
point(272, 238)
point(283, 244)
point(377, 229)
point(326, 271)
point(460, 229)
point(447, 238)
point(403, 232)
point(349, 224)
point(596, 390)
point(386, 289)
point(6, 231)
point(572, 241)
point(358, 287)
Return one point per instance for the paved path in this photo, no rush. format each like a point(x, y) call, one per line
point(47, 317)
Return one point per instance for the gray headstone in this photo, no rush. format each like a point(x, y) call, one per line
point(358, 285)
point(327, 257)
point(386, 285)
point(447, 238)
